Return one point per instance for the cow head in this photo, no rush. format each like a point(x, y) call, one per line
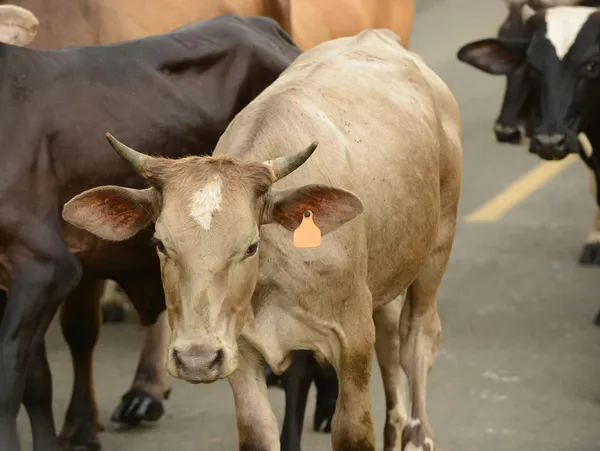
point(562, 56)
point(207, 213)
point(513, 124)
point(18, 26)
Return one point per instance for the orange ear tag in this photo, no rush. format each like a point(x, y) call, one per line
point(307, 234)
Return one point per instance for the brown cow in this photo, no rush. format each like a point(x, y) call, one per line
point(316, 21)
point(383, 187)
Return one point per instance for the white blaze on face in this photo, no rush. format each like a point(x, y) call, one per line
point(563, 24)
point(206, 202)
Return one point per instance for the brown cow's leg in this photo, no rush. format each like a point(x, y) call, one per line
point(420, 332)
point(256, 422)
point(150, 385)
point(387, 347)
point(352, 428)
point(80, 323)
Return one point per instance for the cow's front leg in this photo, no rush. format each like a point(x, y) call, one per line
point(80, 324)
point(143, 402)
point(590, 254)
point(352, 428)
point(256, 422)
point(36, 289)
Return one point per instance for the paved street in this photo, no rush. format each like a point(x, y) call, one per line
point(519, 364)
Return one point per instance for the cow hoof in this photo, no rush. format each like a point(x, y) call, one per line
point(324, 411)
point(414, 437)
point(137, 406)
point(272, 379)
point(590, 254)
point(113, 313)
point(80, 437)
point(597, 318)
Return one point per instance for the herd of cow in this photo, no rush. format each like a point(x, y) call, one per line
point(176, 150)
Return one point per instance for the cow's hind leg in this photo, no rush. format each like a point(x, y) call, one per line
point(420, 332)
point(80, 323)
point(387, 347)
point(143, 402)
point(352, 427)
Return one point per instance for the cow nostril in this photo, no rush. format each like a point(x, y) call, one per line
point(217, 360)
point(177, 359)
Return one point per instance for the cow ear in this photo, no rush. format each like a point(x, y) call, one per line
point(331, 207)
point(18, 26)
point(494, 56)
point(112, 212)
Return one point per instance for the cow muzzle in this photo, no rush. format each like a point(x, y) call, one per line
point(507, 134)
point(550, 146)
point(197, 363)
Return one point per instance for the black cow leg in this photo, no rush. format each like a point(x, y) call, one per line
point(296, 383)
point(37, 399)
point(327, 394)
point(36, 290)
point(151, 386)
point(80, 323)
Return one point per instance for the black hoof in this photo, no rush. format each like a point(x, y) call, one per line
point(272, 379)
point(597, 318)
point(137, 406)
point(113, 313)
point(590, 254)
point(324, 414)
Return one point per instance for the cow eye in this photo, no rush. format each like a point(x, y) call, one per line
point(591, 68)
point(252, 249)
point(160, 247)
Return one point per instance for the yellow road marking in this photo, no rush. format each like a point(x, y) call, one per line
point(519, 190)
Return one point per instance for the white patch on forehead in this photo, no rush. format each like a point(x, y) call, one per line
point(206, 202)
point(563, 24)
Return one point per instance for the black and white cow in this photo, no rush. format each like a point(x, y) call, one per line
point(559, 54)
point(518, 116)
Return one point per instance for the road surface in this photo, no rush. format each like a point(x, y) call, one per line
point(519, 364)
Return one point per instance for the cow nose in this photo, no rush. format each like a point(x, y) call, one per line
point(507, 134)
point(197, 359)
point(550, 147)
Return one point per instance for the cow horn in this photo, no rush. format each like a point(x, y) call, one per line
point(527, 12)
point(134, 157)
point(283, 166)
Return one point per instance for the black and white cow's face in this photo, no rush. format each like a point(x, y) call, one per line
point(561, 56)
point(514, 123)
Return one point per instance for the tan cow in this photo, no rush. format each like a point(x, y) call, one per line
point(383, 186)
point(316, 21)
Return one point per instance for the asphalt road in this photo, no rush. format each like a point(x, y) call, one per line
point(519, 364)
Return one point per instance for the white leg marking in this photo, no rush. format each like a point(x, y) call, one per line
point(563, 25)
point(206, 202)
point(414, 422)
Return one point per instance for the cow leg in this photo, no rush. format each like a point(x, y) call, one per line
point(36, 289)
point(80, 323)
point(327, 394)
point(113, 303)
point(256, 422)
point(591, 249)
point(352, 428)
point(387, 347)
point(143, 402)
point(296, 382)
point(420, 332)
point(37, 399)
